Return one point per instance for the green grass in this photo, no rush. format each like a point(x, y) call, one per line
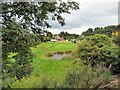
point(47, 71)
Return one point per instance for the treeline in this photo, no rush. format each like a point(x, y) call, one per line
point(107, 30)
point(47, 36)
point(68, 36)
point(100, 30)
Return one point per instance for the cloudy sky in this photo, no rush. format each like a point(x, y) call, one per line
point(92, 13)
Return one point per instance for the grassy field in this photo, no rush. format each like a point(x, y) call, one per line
point(46, 71)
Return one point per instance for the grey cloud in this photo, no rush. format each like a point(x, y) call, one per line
point(92, 13)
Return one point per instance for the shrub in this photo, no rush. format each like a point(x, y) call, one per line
point(86, 51)
point(88, 78)
point(116, 37)
point(101, 40)
point(97, 49)
point(109, 55)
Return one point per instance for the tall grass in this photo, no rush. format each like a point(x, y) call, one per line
point(88, 78)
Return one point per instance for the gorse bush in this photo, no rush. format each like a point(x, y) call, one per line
point(88, 50)
point(97, 49)
point(101, 40)
point(116, 37)
point(88, 78)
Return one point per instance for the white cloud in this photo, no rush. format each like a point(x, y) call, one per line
point(92, 13)
point(77, 30)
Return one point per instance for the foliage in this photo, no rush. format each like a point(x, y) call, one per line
point(88, 78)
point(67, 35)
point(88, 32)
point(109, 55)
point(16, 40)
point(49, 34)
point(99, 49)
point(87, 52)
point(101, 40)
point(88, 49)
point(102, 30)
point(32, 14)
point(116, 40)
point(19, 20)
point(81, 37)
point(116, 37)
point(106, 30)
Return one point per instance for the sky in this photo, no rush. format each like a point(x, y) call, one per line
point(92, 13)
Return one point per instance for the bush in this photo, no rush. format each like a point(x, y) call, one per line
point(97, 49)
point(86, 51)
point(88, 78)
point(101, 40)
point(116, 37)
point(109, 55)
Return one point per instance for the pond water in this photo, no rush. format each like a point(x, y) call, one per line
point(60, 56)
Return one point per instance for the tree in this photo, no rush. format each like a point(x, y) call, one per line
point(100, 30)
point(19, 19)
point(49, 34)
point(67, 35)
point(35, 14)
point(62, 34)
point(88, 32)
point(106, 30)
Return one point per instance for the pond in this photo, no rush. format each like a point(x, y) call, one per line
point(60, 56)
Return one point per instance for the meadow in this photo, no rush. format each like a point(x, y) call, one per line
point(47, 71)
point(83, 67)
point(27, 53)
